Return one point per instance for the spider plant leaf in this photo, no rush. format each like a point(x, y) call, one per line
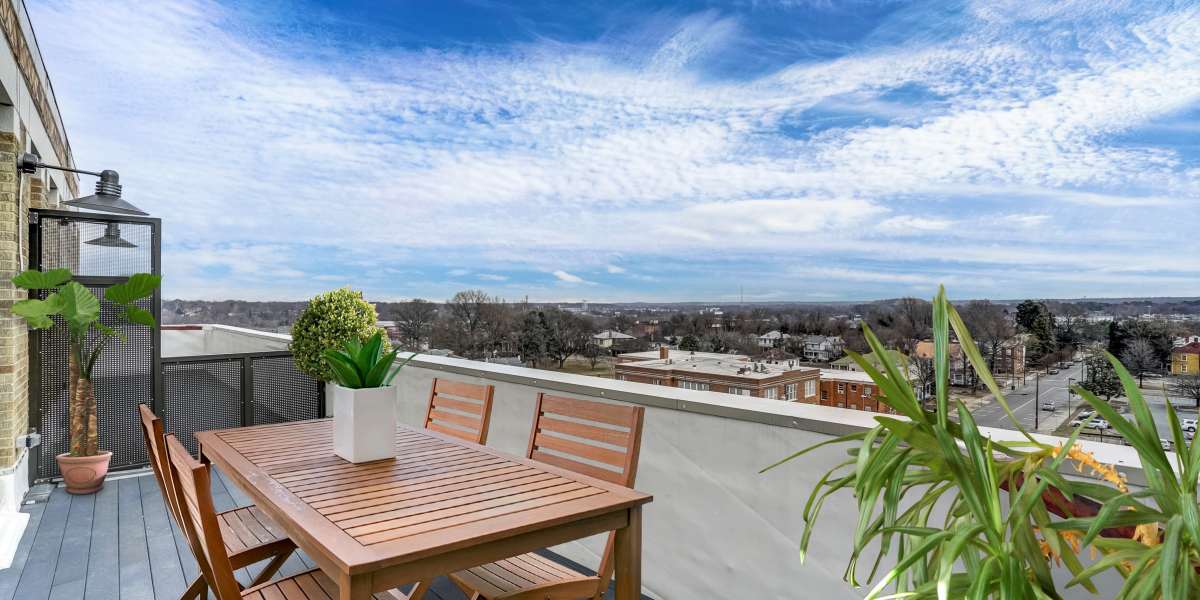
point(971, 349)
point(941, 356)
point(909, 560)
point(837, 440)
point(949, 555)
point(1172, 587)
point(1181, 459)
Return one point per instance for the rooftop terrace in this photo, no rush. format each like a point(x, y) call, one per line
point(715, 524)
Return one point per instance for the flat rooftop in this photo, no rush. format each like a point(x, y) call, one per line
point(728, 365)
point(674, 353)
point(846, 375)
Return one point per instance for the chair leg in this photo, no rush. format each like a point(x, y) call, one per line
point(416, 593)
point(197, 591)
point(271, 569)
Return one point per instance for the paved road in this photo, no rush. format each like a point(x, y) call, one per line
point(1026, 407)
point(1054, 387)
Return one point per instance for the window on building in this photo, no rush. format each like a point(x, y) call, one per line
point(739, 391)
point(841, 388)
point(620, 378)
point(810, 388)
point(824, 395)
point(789, 392)
point(771, 393)
point(854, 387)
point(693, 385)
point(867, 391)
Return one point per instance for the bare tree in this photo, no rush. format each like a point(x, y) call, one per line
point(1139, 357)
point(989, 326)
point(465, 316)
point(1187, 386)
point(414, 320)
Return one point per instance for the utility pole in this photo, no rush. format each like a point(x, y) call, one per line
point(1070, 392)
point(1037, 401)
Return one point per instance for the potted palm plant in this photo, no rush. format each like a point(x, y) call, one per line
point(84, 467)
point(364, 402)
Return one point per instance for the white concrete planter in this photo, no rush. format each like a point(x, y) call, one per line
point(364, 422)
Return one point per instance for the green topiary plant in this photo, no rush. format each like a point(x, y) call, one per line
point(329, 321)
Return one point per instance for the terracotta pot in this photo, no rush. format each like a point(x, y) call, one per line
point(84, 474)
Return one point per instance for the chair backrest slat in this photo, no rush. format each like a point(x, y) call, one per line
point(156, 448)
point(592, 438)
point(463, 410)
point(192, 480)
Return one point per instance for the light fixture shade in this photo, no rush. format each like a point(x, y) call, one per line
point(107, 197)
point(112, 238)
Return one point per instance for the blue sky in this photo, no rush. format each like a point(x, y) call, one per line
point(799, 150)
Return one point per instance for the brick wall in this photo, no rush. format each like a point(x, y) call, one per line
point(14, 349)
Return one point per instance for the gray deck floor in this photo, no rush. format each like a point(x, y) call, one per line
point(120, 544)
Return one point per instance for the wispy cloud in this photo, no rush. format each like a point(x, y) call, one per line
point(964, 148)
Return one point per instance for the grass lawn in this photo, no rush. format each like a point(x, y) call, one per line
point(582, 366)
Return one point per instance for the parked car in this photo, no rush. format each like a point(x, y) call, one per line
point(1100, 424)
point(1048, 405)
point(1052, 371)
point(1188, 425)
point(1165, 443)
point(1085, 413)
point(1077, 422)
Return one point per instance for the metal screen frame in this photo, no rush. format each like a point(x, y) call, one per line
point(236, 390)
point(45, 347)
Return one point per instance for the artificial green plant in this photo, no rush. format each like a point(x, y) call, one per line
point(79, 310)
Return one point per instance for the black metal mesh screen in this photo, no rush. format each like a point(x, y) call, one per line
point(123, 378)
point(283, 393)
point(201, 395)
point(95, 248)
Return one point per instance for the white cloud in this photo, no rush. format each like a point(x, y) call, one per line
point(493, 277)
point(913, 225)
point(527, 155)
point(566, 277)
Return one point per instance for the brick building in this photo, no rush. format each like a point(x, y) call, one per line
point(728, 373)
point(850, 389)
point(29, 122)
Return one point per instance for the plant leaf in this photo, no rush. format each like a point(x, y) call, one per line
point(139, 316)
point(81, 308)
point(42, 280)
point(138, 286)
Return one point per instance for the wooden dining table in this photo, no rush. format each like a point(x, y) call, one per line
point(439, 506)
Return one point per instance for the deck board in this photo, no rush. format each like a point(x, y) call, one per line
point(134, 564)
point(71, 576)
point(38, 575)
point(121, 544)
point(103, 577)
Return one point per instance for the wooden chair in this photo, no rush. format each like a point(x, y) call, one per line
point(250, 536)
point(191, 479)
point(592, 438)
point(462, 410)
